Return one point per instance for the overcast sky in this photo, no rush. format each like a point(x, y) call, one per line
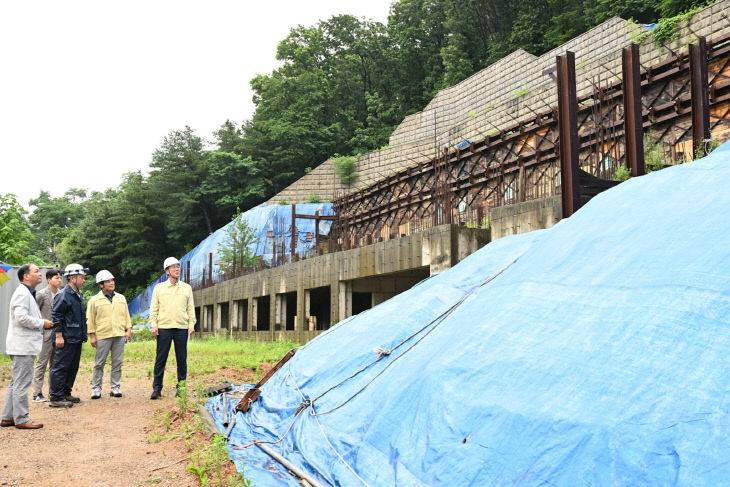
point(89, 88)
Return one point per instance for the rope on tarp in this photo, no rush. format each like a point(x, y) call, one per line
point(435, 322)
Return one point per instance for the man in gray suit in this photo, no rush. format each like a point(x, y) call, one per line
point(23, 342)
point(44, 298)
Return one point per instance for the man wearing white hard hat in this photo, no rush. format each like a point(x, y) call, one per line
point(107, 319)
point(172, 317)
point(70, 322)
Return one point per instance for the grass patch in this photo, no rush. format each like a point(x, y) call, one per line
point(207, 465)
point(205, 356)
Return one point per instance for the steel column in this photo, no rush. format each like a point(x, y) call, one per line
point(316, 231)
point(568, 130)
point(293, 231)
point(700, 94)
point(633, 123)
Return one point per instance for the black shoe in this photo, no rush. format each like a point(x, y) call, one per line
point(115, 394)
point(96, 396)
point(61, 404)
point(72, 399)
point(156, 395)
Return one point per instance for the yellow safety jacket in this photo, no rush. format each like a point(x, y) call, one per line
point(107, 318)
point(172, 306)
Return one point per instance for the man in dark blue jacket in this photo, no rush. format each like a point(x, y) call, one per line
point(69, 319)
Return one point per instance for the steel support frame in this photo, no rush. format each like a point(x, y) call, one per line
point(633, 121)
point(506, 150)
point(700, 94)
point(568, 133)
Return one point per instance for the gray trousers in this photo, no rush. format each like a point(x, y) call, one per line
point(45, 360)
point(115, 345)
point(16, 399)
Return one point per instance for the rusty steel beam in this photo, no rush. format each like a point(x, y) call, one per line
point(314, 217)
point(293, 244)
point(700, 94)
point(568, 130)
point(633, 122)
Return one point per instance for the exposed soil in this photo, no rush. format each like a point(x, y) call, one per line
point(102, 442)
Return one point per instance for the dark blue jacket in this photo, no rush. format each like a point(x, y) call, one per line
point(69, 316)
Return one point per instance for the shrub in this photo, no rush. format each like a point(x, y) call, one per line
point(345, 168)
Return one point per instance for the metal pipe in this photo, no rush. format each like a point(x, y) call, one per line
point(287, 464)
point(230, 427)
point(225, 410)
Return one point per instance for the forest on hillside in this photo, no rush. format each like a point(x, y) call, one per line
point(343, 86)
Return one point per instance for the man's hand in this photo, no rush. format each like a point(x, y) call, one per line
point(191, 331)
point(128, 334)
point(154, 331)
point(47, 324)
point(92, 339)
point(59, 341)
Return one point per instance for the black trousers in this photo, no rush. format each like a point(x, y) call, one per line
point(63, 372)
point(165, 337)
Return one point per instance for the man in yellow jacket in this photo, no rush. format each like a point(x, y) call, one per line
point(172, 318)
point(109, 326)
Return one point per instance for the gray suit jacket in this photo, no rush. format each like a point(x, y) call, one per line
point(25, 327)
point(44, 298)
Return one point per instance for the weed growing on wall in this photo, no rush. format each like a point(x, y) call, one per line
point(345, 168)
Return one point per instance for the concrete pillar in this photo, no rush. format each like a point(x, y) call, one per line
point(250, 319)
point(307, 308)
point(344, 300)
point(272, 315)
point(253, 319)
point(217, 317)
point(335, 315)
point(233, 314)
point(280, 320)
point(203, 317)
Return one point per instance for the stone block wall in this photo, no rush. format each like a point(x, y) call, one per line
point(512, 89)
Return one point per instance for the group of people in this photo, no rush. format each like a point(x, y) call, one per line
point(53, 323)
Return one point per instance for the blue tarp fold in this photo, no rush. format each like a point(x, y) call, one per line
point(592, 353)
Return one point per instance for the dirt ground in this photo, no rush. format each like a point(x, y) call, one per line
point(99, 442)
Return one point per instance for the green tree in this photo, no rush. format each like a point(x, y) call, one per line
point(14, 230)
point(92, 241)
point(234, 251)
point(321, 100)
point(232, 182)
point(179, 165)
point(53, 218)
point(139, 232)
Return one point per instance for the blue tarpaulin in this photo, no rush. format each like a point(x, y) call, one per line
point(271, 225)
point(592, 353)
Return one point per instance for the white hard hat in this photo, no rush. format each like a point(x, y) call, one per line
point(74, 269)
point(104, 275)
point(170, 261)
